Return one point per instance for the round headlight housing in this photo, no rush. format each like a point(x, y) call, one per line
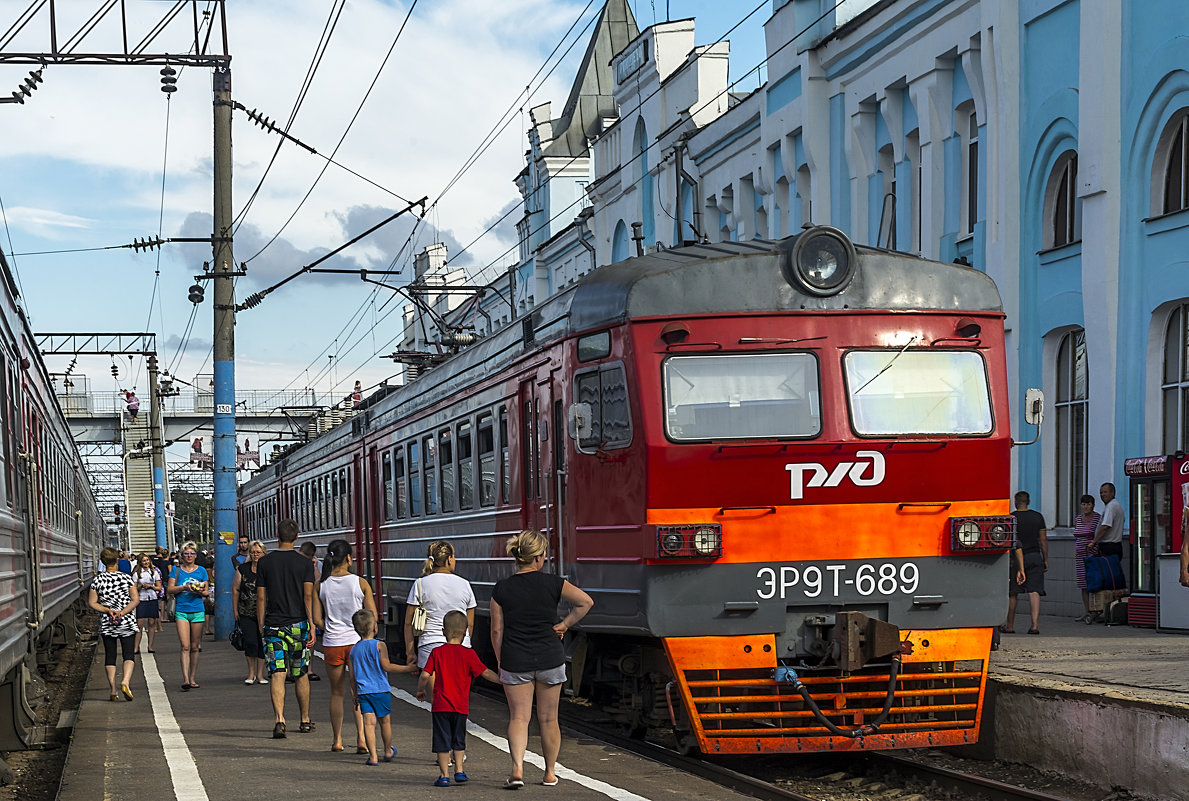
point(998, 534)
point(821, 262)
point(671, 542)
point(706, 541)
point(968, 533)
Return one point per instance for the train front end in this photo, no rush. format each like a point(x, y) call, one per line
point(828, 529)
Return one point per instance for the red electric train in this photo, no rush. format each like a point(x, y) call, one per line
point(780, 468)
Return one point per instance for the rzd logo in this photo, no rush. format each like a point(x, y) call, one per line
point(821, 477)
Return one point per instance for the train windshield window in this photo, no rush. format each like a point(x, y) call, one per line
point(918, 392)
point(742, 396)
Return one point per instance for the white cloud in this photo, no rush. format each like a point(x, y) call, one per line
point(45, 222)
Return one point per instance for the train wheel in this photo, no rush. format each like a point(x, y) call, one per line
point(687, 743)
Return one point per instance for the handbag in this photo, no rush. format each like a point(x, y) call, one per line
point(420, 616)
point(237, 637)
point(1104, 573)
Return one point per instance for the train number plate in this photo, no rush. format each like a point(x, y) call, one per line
point(830, 581)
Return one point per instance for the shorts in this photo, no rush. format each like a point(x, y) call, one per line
point(551, 676)
point(147, 609)
point(191, 617)
point(379, 704)
point(285, 648)
point(1034, 575)
point(335, 655)
point(449, 732)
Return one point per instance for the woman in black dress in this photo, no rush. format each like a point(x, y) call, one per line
point(527, 639)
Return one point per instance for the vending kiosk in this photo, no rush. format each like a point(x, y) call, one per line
point(1159, 495)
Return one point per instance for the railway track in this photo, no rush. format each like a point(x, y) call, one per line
point(831, 778)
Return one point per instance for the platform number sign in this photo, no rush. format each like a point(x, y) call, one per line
point(223, 408)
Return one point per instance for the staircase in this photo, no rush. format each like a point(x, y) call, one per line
point(138, 482)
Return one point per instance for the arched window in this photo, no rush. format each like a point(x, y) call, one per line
point(640, 150)
point(1062, 206)
point(966, 127)
point(1072, 407)
point(1170, 173)
point(1174, 386)
point(887, 211)
point(620, 243)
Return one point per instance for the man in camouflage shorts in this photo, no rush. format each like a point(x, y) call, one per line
point(284, 610)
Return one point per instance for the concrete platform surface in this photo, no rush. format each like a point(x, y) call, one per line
point(215, 744)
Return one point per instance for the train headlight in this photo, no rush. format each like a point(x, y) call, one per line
point(692, 541)
point(708, 541)
point(671, 543)
point(998, 534)
point(968, 534)
point(821, 261)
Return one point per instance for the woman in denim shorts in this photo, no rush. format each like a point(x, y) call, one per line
point(527, 639)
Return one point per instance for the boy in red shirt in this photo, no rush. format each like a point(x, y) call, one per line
point(448, 674)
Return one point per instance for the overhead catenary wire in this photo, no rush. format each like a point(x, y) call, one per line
point(655, 143)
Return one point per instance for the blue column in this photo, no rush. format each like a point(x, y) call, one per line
point(159, 504)
point(225, 495)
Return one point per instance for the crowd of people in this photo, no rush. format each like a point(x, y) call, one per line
point(284, 598)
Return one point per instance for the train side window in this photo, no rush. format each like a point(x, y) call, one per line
point(335, 509)
point(505, 459)
point(345, 496)
point(431, 476)
point(487, 474)
point(402, 484)
point(446, 459)
point(6, 432)
point(415, 478)
point(605, 391)
point(386, 473)
point(466, 468)
point(594, 346)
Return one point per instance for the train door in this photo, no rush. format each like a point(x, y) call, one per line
point(530, 476)
point(371, 523)
point(355, 484)
point(543, 463)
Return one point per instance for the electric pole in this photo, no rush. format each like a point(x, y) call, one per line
point(224, 291)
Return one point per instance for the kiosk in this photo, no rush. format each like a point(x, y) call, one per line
point(1158, 494)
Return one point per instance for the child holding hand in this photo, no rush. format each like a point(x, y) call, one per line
point(369, 668)
point(448, 674)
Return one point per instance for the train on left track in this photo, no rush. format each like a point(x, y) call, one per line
point(51, 528)
point(780, 468)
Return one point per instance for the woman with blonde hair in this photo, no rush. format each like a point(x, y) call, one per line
point(189, 584)
point(527, 639)
point(243, 589)
point(438, 591)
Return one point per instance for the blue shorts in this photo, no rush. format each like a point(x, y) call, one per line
point(379, 704)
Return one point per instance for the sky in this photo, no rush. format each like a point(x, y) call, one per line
point(100, 157)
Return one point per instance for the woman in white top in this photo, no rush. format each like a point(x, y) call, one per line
point(148, 613)
point(340, 595)
point(439, 591)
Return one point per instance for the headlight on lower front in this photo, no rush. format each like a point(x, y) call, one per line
point(693, 541)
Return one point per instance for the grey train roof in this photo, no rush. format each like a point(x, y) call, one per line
point(727, 277)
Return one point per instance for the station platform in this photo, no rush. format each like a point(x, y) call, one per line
point(215, 744)
point(1109, 704)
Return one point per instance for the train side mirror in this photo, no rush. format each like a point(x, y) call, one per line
point(1034, 412)
point(1034, 406)
point(580, 421)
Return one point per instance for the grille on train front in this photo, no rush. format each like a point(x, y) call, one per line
point(748, 703)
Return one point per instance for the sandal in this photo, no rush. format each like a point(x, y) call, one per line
point(1034, 631)
point(306, 726)
point(361, 749)
point(513, 784)
point(336, 748)
point(1006, 630)
point(391, 755)
point(278, 731)
point(186, 687)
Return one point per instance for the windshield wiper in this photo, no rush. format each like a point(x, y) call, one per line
point(891, 361)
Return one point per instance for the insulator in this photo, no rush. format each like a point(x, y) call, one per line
point(196, 293)
point(253, 300)
point(168, 81)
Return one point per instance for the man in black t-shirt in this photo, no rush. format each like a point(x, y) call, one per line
point(1032, 542)
point(284, 611)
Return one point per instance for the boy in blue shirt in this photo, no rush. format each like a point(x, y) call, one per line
point(369, 667)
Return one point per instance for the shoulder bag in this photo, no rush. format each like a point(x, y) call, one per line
point(420, 616)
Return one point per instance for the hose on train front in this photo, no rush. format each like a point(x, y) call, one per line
point(788, 674)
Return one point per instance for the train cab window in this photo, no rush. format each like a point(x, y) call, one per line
point(605, 391)
point(402, 484)
point(466, 471)
point(431, 476)
point(594, 346)
point(505, 459)
point(894, 392)
point(487, 474)
point(386, 473)
point(742, 396)
point(415, 507)
point(446, 458)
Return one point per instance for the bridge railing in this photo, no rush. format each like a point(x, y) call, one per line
point(256, 402)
